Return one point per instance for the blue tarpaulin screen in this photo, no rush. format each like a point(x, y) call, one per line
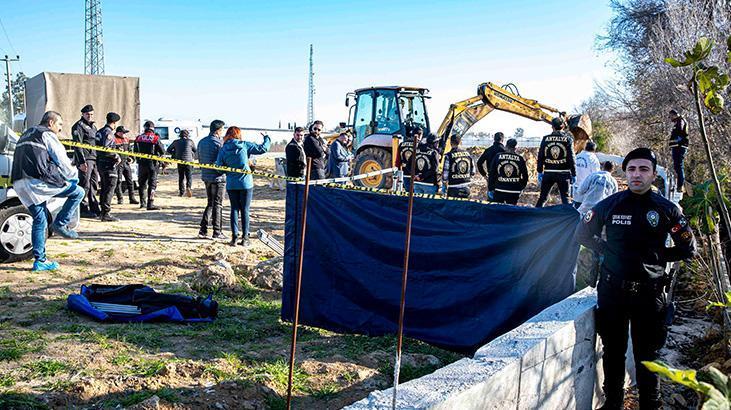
point(475, 271)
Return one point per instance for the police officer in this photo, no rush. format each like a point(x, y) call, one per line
point(406, 150)
point(148, 143)
point(632, 277)
point(84, 131)
point(678, 146)
point(107, 163)
point(458, 169)
point(508, 175)
point(124, 169)
point(427, 162)
point(556, 163)
point(485, 160)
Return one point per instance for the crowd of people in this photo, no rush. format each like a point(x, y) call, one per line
point(627, 229)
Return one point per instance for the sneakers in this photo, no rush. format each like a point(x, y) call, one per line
point(202, 235)
point(64, 231)
point(108, 218)
point(245, 243)
point(188, 192)
point(152, 207)
point(219, 237)
point(133, 201)
point(89, 215)
point(45, 265)
point(119, 201)
point(232, 242)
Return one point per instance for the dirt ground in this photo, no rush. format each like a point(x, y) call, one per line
point(53, 358)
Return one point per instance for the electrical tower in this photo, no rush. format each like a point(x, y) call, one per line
point(311, 94)
point(93, 39)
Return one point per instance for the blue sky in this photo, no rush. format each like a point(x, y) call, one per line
point(246, 62)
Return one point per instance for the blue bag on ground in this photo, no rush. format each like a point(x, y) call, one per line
point(475, 271)
point(151, 306)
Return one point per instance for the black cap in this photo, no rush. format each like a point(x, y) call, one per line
point(557, 123)
point(431, 138)
point(122, 129)
point(149, 125)
point(113, 117)
point(640, 153)
point(87, 108)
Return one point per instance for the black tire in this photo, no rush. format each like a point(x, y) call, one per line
point(373, 159)
point(10, 218)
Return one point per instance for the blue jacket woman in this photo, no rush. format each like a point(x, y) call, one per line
point(235, 154)
point(339, 159)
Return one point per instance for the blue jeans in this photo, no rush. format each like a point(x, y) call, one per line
point(678, 159)
point(73, 194)
point(240, 203)
point(425, 189)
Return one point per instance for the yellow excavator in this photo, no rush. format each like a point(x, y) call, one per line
point(380, 116)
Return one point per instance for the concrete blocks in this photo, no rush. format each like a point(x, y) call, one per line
point(548, 362)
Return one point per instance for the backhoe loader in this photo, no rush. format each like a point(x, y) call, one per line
point(380, 116)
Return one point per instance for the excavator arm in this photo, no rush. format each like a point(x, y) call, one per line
point(464, 114)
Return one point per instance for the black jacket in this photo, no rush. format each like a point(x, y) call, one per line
point(508, 173)
point(296, 161)
point(316, 148)
point(679, 134)
point(427, 162)
point(406, 154)
point(485, 160)
point(636, 229)
point(105, 138)
point(182, 149)
point(148, 143)
point(556, 154)
point(458, 168)
point(85, 133)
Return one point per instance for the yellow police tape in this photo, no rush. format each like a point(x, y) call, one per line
point(324, 183)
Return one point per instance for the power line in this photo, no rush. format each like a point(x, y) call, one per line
point(8, 37)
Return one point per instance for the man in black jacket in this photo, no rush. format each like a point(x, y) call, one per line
point(84, 131)
point(184, 149)
point(148, 143)
point(295, 153)
point(316, 148)
point(124, 169)
point(107, 163)
point(485, 160)
point(678, 147)
point(631, 293)
point(458, 169)
point(556, 160)
point(508, 175)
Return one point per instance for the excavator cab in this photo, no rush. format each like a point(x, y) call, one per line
point(378, 114)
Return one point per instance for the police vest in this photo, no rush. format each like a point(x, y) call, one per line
point(556, 152)
point(31, 159)
point(461, 167)
point(509, 170)
point(427, 161)
point(406, 152)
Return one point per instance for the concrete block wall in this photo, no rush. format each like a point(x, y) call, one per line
point(548, 362)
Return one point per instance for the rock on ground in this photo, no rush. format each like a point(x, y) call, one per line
point(268, 274)
point(219, 274)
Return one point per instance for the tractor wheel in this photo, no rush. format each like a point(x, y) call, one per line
point(373, 159)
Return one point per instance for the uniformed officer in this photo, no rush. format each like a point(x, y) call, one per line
point(556, 163)
point(107, 163)
point(508, 175)
point(124, 169)
point(84, 131)
point(632, 280)
point(148, 143)
point(458, 169)
point(427, 162)
point(406, 150)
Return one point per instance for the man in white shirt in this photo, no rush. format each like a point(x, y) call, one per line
point(586, 164)
point(41, 171)
point(596, 187)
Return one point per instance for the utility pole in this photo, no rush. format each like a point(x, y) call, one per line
point(93, 38)
point(311, 94)
point(11, 111)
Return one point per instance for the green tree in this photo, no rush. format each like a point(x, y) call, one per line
point(18, 98)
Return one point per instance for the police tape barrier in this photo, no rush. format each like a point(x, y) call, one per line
point(222, 168)
point(330, 182)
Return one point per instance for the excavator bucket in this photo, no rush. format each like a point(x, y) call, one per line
point(580, 126)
